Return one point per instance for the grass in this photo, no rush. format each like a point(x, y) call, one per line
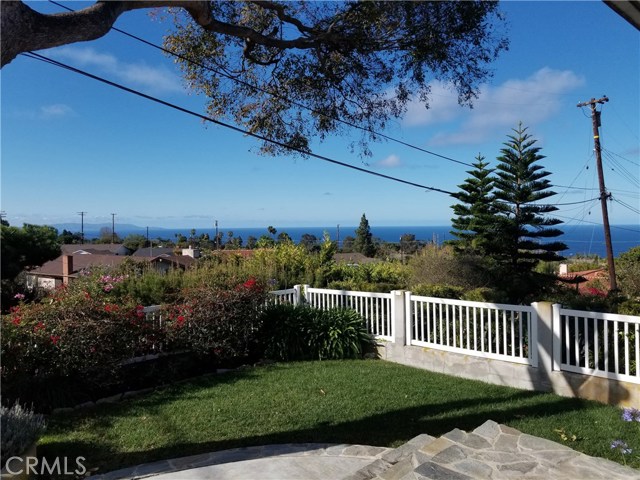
point(366, 402)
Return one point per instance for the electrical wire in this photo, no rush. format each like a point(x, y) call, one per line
point(50, 61)
point(620, 156)
point(627, 206)
point(57, 63)
point(618, 227)
point(279, 97)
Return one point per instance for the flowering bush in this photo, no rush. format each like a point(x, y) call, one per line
point(77, 332)
point(83, 333)
point(216, 322)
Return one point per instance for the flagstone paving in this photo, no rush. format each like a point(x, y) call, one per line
point(491, 451)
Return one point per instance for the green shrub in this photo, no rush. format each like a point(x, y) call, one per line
point(21, 427)
point(485, 294)
point(302, 333)
point(438, 291)
point(285, 332)
point(216, 322)
point(340, 333)
point(628, 271)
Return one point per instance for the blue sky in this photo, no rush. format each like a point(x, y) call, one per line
point(70, 144)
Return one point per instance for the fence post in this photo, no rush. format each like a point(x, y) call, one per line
point(398, 315)
point(557, 336)
point(545, 341)
point(298, 296)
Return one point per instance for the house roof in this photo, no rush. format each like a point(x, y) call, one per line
point(175, 260)
point(150, 252)
point(93, 248)
point(53, 268)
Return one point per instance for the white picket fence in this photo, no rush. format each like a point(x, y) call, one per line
point(375, 308)
point(502, 332)
point(590, 343)
point(599, 344)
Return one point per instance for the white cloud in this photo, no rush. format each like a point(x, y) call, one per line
point(443, 107)
point(156, 79)
point(531, 100)
point(392, 161)
point(55, 111)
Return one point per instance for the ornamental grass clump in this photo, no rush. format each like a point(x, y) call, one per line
point(303, 333)
point(21, 428)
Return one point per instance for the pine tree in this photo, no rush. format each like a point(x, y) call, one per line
point(474, 221)
point(363, 242)
point(522, 222)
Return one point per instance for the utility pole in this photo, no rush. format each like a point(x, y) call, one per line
point(217, 241)
point(604, 195)
point(82, 214)
point(338, 236)
point(113, 228)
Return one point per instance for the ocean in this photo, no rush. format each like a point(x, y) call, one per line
point(581, 239)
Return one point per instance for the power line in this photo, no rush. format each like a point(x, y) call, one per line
point(620, 156)
point(593, 188)
point(599, 224)
point(42, 58)
point(279, 97)
point(627, 206)
point(50, 61)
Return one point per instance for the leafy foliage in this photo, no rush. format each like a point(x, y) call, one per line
point(628, 272)
point(363, 242)
point(501, 218)
point(301, 333)
point(219, 323)
point(339, 59)
point(473, 223)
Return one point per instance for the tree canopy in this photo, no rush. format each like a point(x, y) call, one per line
point(501, 219)
point(296, 70)
point(363, 242)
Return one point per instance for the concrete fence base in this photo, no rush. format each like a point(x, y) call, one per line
point(497, 372)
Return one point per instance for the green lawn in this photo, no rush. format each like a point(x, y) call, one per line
point(367, 402)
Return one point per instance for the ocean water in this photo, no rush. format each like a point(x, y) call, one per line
point(581, 239)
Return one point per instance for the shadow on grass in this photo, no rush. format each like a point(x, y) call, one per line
point(384, 429)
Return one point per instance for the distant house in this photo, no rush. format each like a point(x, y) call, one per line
point(164, 263)
point(152, 252)
point(67, 267)
point(95, 249)
point(354, 258)
point(591, 282)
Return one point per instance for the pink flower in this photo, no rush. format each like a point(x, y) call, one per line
point(19, 296)
point(55, 339)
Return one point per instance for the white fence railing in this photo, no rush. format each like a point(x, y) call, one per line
point(375, 308)
point(598, 344)
point(290, 295)
point(502, 332)
point(589, 343)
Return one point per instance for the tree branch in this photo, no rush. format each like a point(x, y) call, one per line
point(24, 29)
